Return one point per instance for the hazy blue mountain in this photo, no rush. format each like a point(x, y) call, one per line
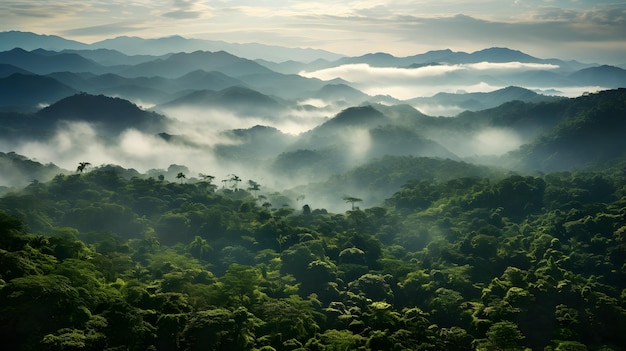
point(353, 117)
point(27, 92)
point(47, 62)
point(440, 56)
point(31, 41)
point(151, 90)
point(109, 57)
point(200, 79)
point(239, 99)
point(142, 95)
point(498, 54)
point(341, 92)
point(482, 101)
point(180, 64)
point(176, 43)
point(285, 67)
point(111, 115)
point(78, 81)
point(7, 70)
point(542, 78)
point(147, 90)
point(287, 86)
point(605, 76)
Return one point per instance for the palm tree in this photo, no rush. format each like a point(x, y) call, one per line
point(352, 200)
point(181, 176)
point(199, 247)
point(81, 166)
point(207, 181)
point(254, 187)
point(207, 178)
point(235, 179)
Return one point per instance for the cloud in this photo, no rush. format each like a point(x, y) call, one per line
point(406, 83)
point(582, 30)
point(187, 9)
point(105, 29)
point(509, 66)
point(180, 14)
point(362, 72)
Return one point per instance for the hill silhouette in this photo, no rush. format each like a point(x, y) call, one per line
point(239, 99)
point(605, 75)
point(593, 135)
point(181, 64)
point(482, 101)
point(47, 62)
point(27, 92)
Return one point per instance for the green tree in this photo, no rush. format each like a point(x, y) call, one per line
point(352, 200)
point(254, 187)
point(504, 336)
point(82, 166)
point(241, 282)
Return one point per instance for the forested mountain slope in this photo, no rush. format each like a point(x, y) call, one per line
point(105, 260)
point(594, 134)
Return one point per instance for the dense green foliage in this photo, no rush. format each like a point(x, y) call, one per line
point(97, 261)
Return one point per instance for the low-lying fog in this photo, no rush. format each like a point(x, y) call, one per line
point(200, 143)
point(427, 81)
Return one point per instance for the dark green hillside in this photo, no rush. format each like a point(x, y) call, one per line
point(594, 136)
point(110, 116)
point(43, 62)
point(113, 114)
point(18, 170)
point(111, 260)
point(236, 98)
point(27, 92)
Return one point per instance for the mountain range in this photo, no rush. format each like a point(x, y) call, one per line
point(162, 79)
point(303, 122)
point(161, 46)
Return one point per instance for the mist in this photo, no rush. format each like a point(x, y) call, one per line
point(407, 83)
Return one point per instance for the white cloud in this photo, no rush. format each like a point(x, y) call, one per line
point(406, 83)
point(509, 66)
point(362, 72)
point(350, 27)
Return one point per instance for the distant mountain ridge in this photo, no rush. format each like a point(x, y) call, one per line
point(27, 91)
point(447, 56)
point(161, 46)
point(482, 101)
point(236, 98)
point(47, 62)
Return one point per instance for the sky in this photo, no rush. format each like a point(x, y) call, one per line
point(585, 30)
